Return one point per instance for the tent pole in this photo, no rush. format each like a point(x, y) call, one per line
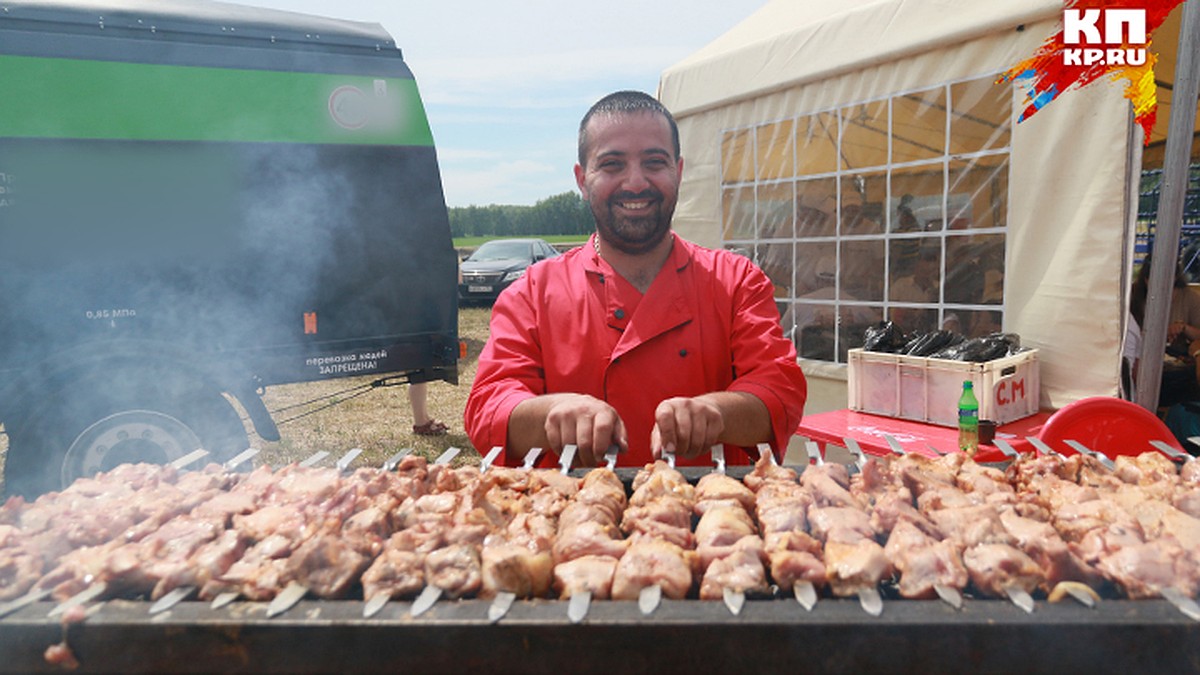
point(1180, 130)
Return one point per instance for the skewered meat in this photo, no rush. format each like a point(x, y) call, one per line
point(590, 573)
point(650, 562)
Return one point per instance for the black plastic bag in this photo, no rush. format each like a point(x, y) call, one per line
point(883, 337)
point(982, 349)
point(931, 343)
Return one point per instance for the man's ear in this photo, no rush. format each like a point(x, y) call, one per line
point(579, 180)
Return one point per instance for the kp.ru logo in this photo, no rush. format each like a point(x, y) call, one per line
point(1123, 28)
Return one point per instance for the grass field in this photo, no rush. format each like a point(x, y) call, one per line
point(379, 421)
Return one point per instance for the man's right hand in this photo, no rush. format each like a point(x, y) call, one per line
point(590, 424)
point(556, 420)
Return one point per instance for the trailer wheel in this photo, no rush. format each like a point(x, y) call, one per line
point(81, 434)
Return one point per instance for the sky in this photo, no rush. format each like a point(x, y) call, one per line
point(505, 83)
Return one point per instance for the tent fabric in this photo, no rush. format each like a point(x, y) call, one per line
point(1069, 204)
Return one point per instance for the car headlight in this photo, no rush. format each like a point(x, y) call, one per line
point(514, 275)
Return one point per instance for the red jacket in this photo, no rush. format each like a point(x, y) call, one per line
point(707, 323)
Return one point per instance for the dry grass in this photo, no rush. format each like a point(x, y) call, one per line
point(379, 421)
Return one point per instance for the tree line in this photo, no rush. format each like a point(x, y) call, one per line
point(564, 213)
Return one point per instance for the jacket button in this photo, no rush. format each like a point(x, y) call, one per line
point(620, 314)
point(683, 352)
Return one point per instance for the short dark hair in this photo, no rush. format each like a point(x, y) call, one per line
point(623, 102)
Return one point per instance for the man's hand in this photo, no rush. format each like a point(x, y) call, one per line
point(686, 426)
point(590, 424)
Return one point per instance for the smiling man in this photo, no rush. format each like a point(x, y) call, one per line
point(639, 339)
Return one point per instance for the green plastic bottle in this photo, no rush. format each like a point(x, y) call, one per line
point(968, 420)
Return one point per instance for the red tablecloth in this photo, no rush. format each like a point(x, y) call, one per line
point(871, 432)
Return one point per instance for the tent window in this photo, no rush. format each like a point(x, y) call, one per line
point(894, 208)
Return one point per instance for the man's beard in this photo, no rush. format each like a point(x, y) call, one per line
point(633, 235)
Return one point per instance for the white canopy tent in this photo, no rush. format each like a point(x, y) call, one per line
point(1072, 169)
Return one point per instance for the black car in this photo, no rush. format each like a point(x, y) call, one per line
point(496, 264)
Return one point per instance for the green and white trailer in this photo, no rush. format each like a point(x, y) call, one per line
point(199, 200)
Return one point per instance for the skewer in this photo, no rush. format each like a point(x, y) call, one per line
point(500, 605)
point(718, 458)
point(1177, 455)
point(375, 604)
point(312, 461)
point(1006, 448)
point(179, 594)
point(190, 458)
point(531, 458)
point(648, 599)
point(853, 447)
point(870, 600)
point(223, 599)
point(734, 600)
point(578, 605)
point(87, 595)
point(567, 458)
point(394, 460)
point(448, 455)
point(580, 602)
point(814, 453)
point(171, 599)
point(949, 595)
point(894, 444)
point(486, 462)
point(1085, 450)
point(34, 595)
point(294, 592)
point(764, 450)
point(669, 457)
point(1021, 598)
point(241, 458)
point(806, 594)
point(1042, 447)
point(428, 598)
point(344, 462)
point(431, 594)
point(1183, 603)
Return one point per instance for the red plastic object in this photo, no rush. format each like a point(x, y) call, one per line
point(1109, 425)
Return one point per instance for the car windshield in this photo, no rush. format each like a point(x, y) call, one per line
point(501, 250)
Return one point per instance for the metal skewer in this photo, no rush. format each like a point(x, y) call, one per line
point(394, 460)
point(1021, 598)
point(734, 600)
point(610, 458)
point(224, 599)
point(949, 595)
point(376, 603)
point(486, 462)
point(649, 598)
point(814, 453)
point(1183, 603)
point(806, 594)
point(241, 458)
point(188, 459)
point(1006, 448)
point(567, 458)
point(171, 599)
point(1085, 450)
point(1177, 455)
point(87, 595)
point(718, 458)
point(428, 598)
point(312, 461)
point(34, 595)
point(447, 456)
point(344, 463)
point(853, 448)
point(894, 444)
point(578, 605)
point(500, 605)
point(870, 600)
point(764, 451)
point(531, 458)
point(1043, 448)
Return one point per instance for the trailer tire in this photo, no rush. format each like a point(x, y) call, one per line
point(79, 434)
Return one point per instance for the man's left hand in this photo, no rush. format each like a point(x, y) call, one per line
point(686, 426)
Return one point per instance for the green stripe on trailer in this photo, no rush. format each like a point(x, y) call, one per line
point(70, 98)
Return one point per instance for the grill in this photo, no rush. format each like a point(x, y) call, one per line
point(772, 633)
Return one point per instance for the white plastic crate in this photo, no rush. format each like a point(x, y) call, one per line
point(927, 390)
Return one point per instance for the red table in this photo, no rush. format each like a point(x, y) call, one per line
point(871, 432)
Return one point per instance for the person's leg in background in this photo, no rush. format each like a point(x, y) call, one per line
point(423, 424)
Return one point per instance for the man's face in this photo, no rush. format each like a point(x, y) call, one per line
point(631, 179)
